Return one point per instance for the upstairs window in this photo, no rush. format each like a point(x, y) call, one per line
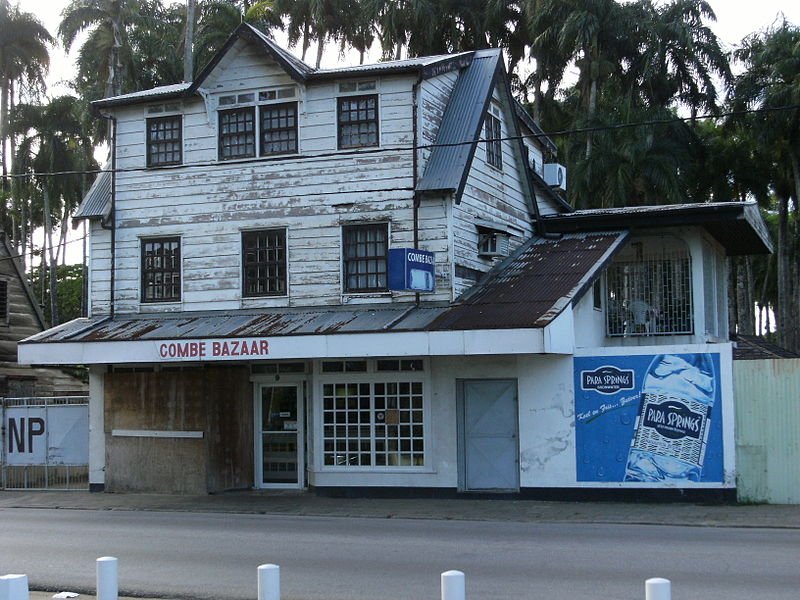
point(278, 129)
point(259, 123)
point(649, 289)
point(264, 263)
point(237, 133)
point(161, 269)
point(493, 132)
point(366, 253)
point(357, 121)
point(164, 141)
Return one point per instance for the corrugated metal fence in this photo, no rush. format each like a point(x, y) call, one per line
point(767, 394)
point(45, 443)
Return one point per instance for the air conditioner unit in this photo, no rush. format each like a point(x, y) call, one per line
point(555, 175)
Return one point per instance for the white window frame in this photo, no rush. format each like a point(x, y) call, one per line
point(240, 101)
point(361, 87)
point(372, 376)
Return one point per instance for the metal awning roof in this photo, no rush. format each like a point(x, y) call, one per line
point(527, 291)
point(738, 226)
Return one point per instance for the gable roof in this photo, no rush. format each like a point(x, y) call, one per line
point(301, 72)
point(448, 164)
point(12, 257)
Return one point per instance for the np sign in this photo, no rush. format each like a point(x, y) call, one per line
point(54, 435)
point(412, 270)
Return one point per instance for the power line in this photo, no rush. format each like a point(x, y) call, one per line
point(411, 147)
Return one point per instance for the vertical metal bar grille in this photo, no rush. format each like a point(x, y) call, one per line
point(651, 295)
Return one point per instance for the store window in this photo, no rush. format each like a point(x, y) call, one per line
point(365, 252)
point(264, 263)
point(161, 269)
point(3, 301)
point(164, 141)
point(649, 289)
point(373, 423)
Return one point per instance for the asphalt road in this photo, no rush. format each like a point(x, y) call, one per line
point(201, 555)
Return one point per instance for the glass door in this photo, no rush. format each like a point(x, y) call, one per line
point(280, 451)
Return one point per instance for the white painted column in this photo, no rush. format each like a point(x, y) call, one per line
point(107, 578)
point(269, 582)
point(97, 436)
point(453, 586)
point(657, 589)
point(14, 587)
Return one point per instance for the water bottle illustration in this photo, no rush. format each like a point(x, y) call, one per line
point(671, 430)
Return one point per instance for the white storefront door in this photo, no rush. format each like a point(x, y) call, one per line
point(279, 436)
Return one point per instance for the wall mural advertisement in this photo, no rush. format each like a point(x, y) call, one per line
point(649, 418)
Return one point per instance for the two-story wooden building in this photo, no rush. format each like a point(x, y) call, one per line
point(258, 320)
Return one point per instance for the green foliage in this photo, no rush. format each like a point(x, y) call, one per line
point(69, 292)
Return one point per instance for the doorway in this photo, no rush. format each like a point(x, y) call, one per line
point(488, 435)
point(279, 436)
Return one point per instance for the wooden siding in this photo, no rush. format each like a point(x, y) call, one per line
point(208, 203)
point(22, 320)
point(490, 194)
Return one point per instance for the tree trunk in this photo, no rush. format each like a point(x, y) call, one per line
point(782, 316)
point(188, 41)
point(306, 40)
point(320, 49)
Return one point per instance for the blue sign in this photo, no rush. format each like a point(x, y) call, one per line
point(412, 270)
point(648, 419)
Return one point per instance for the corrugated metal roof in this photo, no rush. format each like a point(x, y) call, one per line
point(531, 288)
point(527, 290)
point(449, 160)
point(273, 322)
point(738, 226)
point(164, 91)
point(287, 58)
point(393, 65)
point(751, 347)
point(96, 204)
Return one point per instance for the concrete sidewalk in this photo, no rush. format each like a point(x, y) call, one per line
point(298, 503)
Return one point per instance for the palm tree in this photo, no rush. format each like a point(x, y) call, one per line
point(771, 82)
point(23, 56)
point(52, 141)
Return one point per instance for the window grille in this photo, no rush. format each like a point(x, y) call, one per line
point(358, 121)
point(237, 133)
point(161, 270)
point(373, 424)
point(264, 262)
point(3, 301)
point(366, 250)
point(164, 141)
point(649, 291)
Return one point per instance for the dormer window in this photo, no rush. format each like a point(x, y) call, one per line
point(264, 116)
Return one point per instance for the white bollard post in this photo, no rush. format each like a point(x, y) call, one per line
point(14, 587)
point(453, 586)
point(269, 582)
point(107, 578)
point(657, 589)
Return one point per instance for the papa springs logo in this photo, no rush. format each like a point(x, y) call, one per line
point(608, 380)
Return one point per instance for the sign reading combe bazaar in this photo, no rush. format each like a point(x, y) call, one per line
point(223, 349)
